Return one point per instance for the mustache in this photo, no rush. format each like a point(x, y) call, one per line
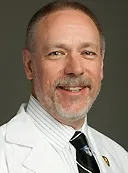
point(73, 81)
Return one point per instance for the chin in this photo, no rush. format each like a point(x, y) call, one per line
point(71, 115)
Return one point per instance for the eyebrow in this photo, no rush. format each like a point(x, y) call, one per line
point(59, 45)
point(87, 44)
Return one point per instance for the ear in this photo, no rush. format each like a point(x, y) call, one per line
point(102, 65)
point(27, 61)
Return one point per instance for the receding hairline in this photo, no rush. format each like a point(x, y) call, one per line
point(44, 18)
point(33, 24)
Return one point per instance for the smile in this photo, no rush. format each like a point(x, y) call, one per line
point(72, 89)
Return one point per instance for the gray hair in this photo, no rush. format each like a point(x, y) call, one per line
point(54, 6)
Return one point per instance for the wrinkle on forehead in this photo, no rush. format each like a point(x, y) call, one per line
point(68, 47)
point(67, 27)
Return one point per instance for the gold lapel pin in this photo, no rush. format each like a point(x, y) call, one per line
point(106, 160)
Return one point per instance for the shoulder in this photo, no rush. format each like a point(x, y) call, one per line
point(11, 136)
point(105, 143)
point(2, 136)
point(14, 123)
point(3, 166)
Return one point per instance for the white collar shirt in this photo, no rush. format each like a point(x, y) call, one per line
point(57, 134)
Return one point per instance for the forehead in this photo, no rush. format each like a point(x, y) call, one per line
point(67, 23)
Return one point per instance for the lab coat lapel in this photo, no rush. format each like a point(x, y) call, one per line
point(44, 159)
point(39, 155)
point(100, 150)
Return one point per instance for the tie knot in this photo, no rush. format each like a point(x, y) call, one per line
point(78, 140)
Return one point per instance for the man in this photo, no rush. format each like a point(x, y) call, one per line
point(63, 58)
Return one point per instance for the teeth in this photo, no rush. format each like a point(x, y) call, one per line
point(76, 89)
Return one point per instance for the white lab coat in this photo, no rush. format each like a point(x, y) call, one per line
point(23, 150)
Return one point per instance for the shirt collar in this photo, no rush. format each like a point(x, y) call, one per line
point(56, 133)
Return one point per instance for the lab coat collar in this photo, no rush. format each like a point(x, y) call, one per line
point(38, 159)
point(18, 129)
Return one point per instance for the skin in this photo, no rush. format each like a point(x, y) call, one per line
point(67, 54)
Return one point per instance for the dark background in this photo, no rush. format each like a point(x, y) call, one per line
point(109, 113)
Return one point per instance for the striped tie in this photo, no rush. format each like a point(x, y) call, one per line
point(85, 160)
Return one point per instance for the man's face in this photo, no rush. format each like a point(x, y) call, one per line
point(67, 64)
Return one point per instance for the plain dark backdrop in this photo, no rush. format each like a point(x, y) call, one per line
point(109, 113)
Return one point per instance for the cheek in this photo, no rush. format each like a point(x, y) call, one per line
point(95, 68)
point(49, 72)
point(96, 73)
point(39, 74)
point(53, 70)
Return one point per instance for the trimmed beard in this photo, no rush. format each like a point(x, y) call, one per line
point(53, 107)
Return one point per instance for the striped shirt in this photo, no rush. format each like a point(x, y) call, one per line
point(57, 134)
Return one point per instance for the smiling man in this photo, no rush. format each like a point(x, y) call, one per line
point(63, 58)
point(66, 65)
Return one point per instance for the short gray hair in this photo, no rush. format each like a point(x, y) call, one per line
point(53, 7)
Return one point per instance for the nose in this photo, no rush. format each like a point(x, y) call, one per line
point(74, 66)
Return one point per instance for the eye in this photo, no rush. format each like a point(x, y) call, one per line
point(87, 53)
point(56, 53)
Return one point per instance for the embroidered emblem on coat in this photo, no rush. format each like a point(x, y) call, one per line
point(106, 160)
